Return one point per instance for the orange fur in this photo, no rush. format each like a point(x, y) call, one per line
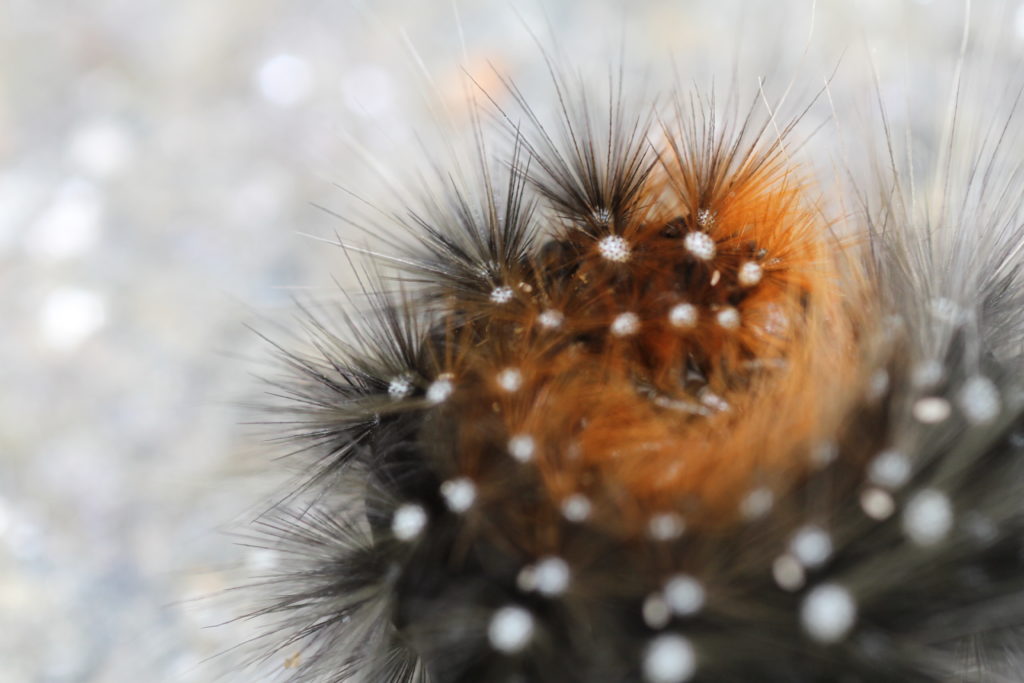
point(662, 417)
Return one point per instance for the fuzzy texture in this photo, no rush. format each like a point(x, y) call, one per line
point(633, 410)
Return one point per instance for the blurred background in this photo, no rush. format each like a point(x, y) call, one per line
point(159, 167)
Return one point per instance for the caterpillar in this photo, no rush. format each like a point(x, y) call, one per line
point(634, 398)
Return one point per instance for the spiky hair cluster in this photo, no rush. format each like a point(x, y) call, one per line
point(644, 412)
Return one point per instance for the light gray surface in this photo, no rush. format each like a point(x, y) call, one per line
point(157, 162)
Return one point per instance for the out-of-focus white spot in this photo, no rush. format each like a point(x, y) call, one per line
point(877, 504)
point(614, 248)
point(521, 447)
point(666, 526)
point(459, 494)
point(932, 409)
point(811, 545)
point(928, 517)
point(409, 521)
point(510, 379)
point(576, 508)
point(625, 324)
point(788, 573)
point(525, 581)
point(757, 503)
point(285, 80)
point(368, 90)
point(549, 577)
point(684, 594)
point(824, 453)
point(878, 385)
point(656, 611)
point(511, 629)
point(69, 226)
point(101, 148)
point(828, 613)
point(927, 374)
point(1018, 21)
point(890, 469)
point(70, 316)
point(669, 658)
point(979, 400)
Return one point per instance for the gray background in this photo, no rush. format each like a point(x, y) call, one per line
point(158, 166)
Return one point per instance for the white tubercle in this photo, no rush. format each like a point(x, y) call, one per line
point(928, 517)
point(551, 576)
point(408, 521)
point(705, 218)
point(979, 400)
point(811, 545)
point(788, 573)
point(656, 611)
point(877, 504)
point(931, 409)
point(440, 389)
point(669, 658)
point(683, 316)
point(666, 526)
point(614, 248)
point(750, 274)
point(700, 245)
point(576, 508)
point(828, 613)
point(625, 324)
point(399, 388)
point(714, 401)
point(757, 503)
point(521, 447)
point(459, 494)
point(511, 629)
point(684, 595)
point(728, 318)
point(890, 469)
point(551, 319)
point(510, 379)
point(502, 295)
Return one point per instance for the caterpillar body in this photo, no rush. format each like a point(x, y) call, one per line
point(642, 406)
